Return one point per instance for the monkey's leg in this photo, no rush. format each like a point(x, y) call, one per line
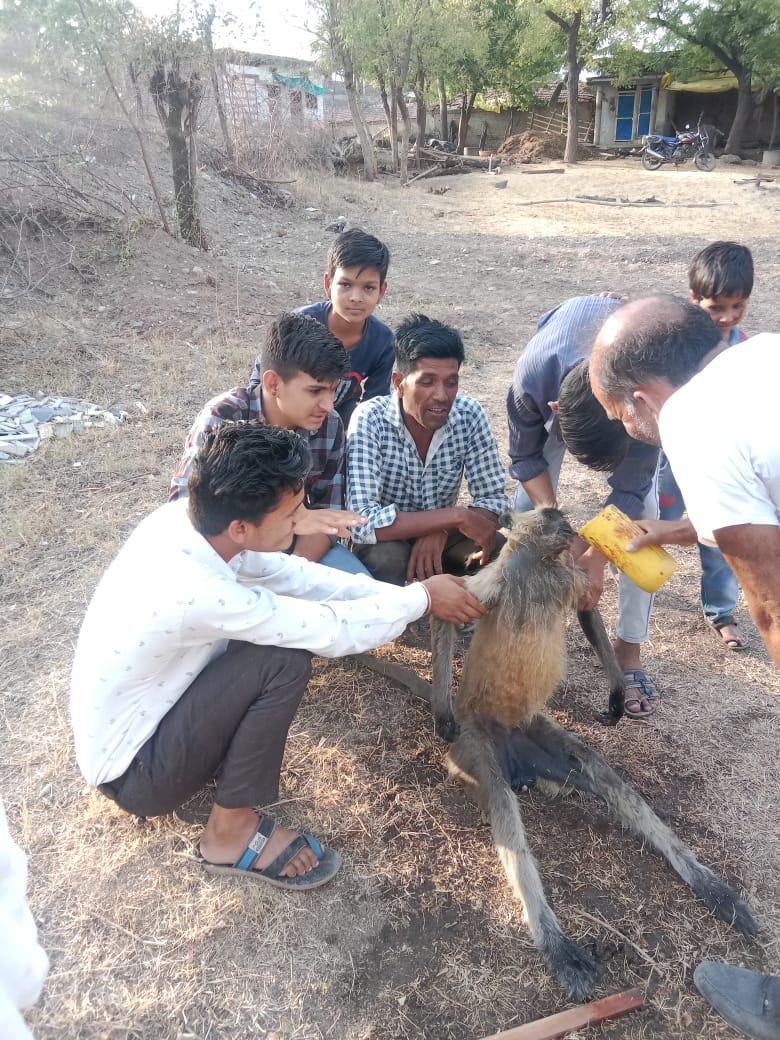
point(442, 648)
point(590, 772)
point(592, 625)
point(472, 758)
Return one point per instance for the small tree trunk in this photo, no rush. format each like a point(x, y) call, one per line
point(573, 86)
point(209, 21)
point(743, 113)
point(463, 122)
point(445, 133)
point(422, 114)
point(385, 105)
point(366, 144)
point(406, 127)
point(394, 125)
point(773, 131)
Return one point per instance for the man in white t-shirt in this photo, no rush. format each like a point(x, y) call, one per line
point(667, 375)
point(196, 650)
point(660, 366)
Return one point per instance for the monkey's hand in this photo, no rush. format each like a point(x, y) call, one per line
point(594, 564)
point(663, 532)
point(450, 601)
point(425, 558)
point(327, 521)
point(481, 526)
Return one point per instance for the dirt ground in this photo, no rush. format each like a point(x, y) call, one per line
point(418, 936)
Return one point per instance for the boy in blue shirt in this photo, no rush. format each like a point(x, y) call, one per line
point(720, 279)
point(355, 282)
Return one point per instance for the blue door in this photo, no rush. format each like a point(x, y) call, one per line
point(624, 123)
point(645, 105)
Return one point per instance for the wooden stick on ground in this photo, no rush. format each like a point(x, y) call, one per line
point(575, 1018)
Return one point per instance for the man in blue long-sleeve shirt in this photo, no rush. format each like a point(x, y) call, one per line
point(564, 337)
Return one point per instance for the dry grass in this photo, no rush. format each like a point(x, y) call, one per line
point(418, 936)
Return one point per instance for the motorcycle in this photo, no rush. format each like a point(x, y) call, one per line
point(689, 144)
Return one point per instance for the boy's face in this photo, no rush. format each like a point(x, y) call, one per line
point(428, 393)
point(274, 533)
point(302, 402)
point(725, 311)
point(354, 293)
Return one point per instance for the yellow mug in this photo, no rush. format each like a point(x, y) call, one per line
point(611, 531)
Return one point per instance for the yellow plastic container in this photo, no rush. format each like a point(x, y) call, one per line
point(611, 531)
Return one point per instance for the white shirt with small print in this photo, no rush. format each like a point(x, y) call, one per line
point(167, 606)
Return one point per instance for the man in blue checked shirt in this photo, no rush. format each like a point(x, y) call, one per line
point(407, 455)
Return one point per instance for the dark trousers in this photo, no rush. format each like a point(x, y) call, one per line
point(230, 723)
point(388, 561)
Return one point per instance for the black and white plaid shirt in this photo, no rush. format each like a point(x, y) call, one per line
point(325, 482)
point(385, 473)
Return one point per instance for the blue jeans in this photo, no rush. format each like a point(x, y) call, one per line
point(719, 587)
point(341, 559)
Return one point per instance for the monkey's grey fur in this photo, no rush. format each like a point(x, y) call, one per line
point(516, 659)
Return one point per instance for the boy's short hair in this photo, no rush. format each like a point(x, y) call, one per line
point(356, 248)
point(241, 472)
point(299, 343)
point(421, 337)
point(721, 269)
point(594, 439)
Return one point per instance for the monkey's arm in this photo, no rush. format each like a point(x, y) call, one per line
point(592, 625)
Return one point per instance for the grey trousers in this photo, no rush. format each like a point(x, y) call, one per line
point(230, 723)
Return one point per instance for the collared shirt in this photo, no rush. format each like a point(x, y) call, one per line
point(371, 360)
point(166, 607)
point(325, 482)
point(564, 336)
point(385, 473)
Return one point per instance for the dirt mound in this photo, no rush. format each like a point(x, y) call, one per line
point(532, 147)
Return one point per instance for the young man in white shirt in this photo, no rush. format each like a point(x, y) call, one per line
point(195, 651)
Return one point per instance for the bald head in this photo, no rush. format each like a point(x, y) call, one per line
point(656, 339)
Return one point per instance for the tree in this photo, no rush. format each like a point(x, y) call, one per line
point(742, 36)
point(581, 28)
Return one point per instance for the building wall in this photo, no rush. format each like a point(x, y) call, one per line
point(615, 128)
point(512, 121)
point(250, 91)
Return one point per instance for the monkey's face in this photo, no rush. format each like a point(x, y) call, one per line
point(547, 529)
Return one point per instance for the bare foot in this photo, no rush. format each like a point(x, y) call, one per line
point(229, 831)
point(730, 636)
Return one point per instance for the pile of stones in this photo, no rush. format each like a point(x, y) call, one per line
point(25, 421)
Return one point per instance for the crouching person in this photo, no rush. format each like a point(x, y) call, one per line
point(196, 650)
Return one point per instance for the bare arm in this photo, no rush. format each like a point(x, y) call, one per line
point(415, 525)
point(664, 532)
point(753, 553)
point(540, 490)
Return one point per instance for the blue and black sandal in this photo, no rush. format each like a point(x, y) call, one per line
point(327, 867)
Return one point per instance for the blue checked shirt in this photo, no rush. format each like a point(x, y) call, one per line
point(385, 473)
point(324, 487)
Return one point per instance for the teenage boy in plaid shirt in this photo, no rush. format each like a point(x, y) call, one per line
point(407, 455)
point(302, 363)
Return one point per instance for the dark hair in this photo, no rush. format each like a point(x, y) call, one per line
point(657, 338)
point(590, 435)
point(721, 269)
point(356, 248)
point(240, 473)
point(299, 343)
point(421, 337)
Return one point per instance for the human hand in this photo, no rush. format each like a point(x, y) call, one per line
point(481, 526)
point(594, 564)
point(326, 521)
point(425, 558)
point(450, 601)
point(663, 532)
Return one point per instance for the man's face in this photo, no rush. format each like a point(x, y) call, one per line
point(725, 311)
point(428, 393)
point(275, 531)
point(353, 293)
point(304, 401)
point(638, 418)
